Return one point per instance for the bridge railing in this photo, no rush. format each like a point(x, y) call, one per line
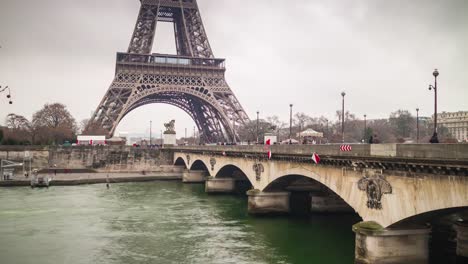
point(168, 60)
point(420, 151)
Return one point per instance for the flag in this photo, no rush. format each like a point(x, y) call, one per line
point(316, 158)
point(269, 154)
point(268, 142)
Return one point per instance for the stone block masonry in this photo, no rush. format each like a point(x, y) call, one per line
point(98, 158)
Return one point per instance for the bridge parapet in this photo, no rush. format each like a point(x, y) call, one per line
point(420, 151)
point(443, 159)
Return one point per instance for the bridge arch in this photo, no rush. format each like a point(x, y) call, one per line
point(199, 165)
point(231, 171)
point(456, 213)
point(308, 195)
point(242, 181)
point(180, 162)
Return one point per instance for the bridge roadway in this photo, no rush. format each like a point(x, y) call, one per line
point(399, 190)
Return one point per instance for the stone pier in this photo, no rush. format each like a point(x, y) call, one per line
point(268, 202)
point(193, 176)
point(220, 185)
point(462, 241)
point(375, 244)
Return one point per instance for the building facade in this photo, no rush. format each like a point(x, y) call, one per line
point(457, 124)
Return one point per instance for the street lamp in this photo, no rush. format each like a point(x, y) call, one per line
point(365, 127)
point(290, 123)
point(417, 125)
point(194, 137)
point(342, 117)
point(328, 134)
point(9, 93)
point(258, 112)
point(434, 138)
point(151, 123)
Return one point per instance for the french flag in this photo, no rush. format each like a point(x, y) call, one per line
point(316, 158)
point(267, 147)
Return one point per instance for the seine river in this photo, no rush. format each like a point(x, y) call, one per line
point(159, 222)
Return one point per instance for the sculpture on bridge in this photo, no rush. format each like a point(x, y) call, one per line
point(375, 187)
point(258, 168)
point(212, 163)
point(170, 127)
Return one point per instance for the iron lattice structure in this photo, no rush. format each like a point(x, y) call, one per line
point(193, 80)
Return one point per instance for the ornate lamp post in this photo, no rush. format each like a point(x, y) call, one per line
point(434, 138)
point(417, 125)
point(194, 137)
point(342, 117)
point(290, 123)
point(328, 134)
point(258, 112)
point(365, 127)
point(151, 124)
point(9, 93)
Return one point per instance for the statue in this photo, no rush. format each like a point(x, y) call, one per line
point(170, 128)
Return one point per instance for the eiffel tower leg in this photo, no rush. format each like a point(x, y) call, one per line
point(107, 113)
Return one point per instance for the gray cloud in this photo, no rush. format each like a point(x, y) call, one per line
point(278, 52)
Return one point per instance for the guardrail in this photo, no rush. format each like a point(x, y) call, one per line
point(420, 151)
point(170, 60)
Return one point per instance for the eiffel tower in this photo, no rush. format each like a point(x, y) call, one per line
point(193, 80)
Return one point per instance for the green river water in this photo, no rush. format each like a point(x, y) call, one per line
point(159, 222)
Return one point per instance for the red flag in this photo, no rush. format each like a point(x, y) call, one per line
point(316, 158)
point(268, 142)
point(269, 154)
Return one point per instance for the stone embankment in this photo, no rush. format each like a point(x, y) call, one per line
point(97, 158)
point(63, 179)
point(87, 165)
point(78, 177)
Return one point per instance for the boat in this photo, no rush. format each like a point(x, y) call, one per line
point(40, 180)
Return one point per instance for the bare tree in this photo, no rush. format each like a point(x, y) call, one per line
point(14, 121)
point(249, 130)
point(54, 124)
point(19, 129)
point(277, 125)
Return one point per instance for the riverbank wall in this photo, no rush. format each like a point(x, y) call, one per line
point(66, 179)
point(95, 158)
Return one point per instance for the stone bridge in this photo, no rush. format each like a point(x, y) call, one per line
point(397, 190)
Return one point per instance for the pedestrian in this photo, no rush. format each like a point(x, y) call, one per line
point(371, 140)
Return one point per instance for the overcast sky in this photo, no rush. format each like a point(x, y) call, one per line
point(305, 52)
